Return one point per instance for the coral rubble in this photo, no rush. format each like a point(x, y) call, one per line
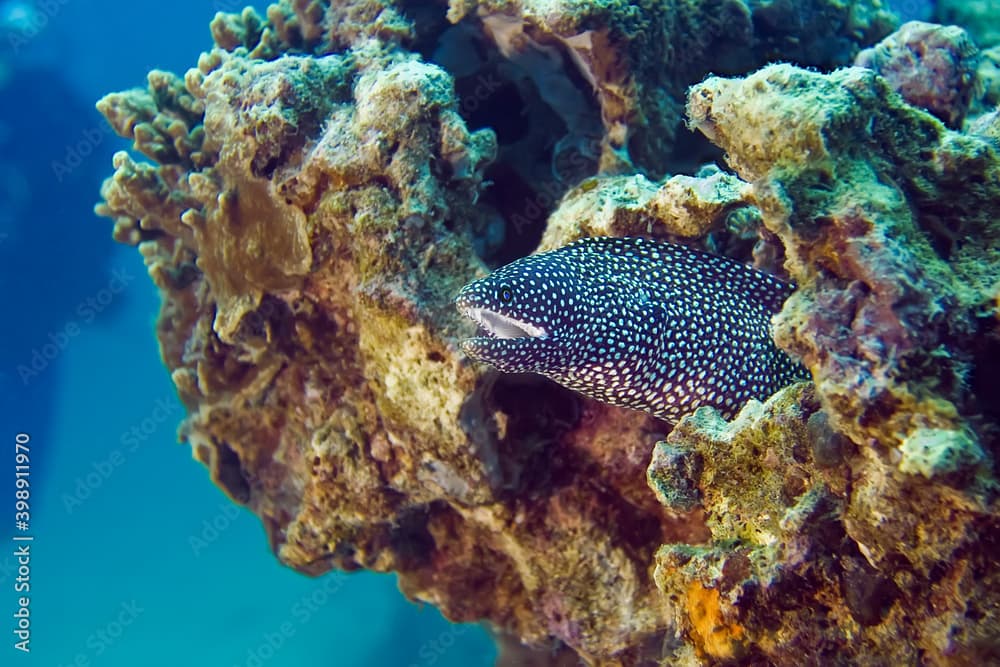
point(317, 190)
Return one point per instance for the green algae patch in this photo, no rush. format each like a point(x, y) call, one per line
point(934, 452)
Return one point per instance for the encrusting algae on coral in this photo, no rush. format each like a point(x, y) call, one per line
point(711, 633)
point(318, 190)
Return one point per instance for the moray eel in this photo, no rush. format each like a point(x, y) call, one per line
point(634, 322)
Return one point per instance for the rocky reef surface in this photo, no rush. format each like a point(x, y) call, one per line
point(314, 193)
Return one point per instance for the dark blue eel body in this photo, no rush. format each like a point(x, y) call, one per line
point(634, 322)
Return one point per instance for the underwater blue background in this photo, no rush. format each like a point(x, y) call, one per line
point(138, 559)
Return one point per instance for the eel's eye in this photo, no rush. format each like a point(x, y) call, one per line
point(506, 294)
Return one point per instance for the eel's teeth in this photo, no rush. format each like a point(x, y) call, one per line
point(501, 326)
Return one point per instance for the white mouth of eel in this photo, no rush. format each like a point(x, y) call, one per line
point(501, 326)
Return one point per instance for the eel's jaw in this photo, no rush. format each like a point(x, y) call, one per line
point(501, 326)
point(504, 342)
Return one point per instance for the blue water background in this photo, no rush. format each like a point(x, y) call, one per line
point(137, 559)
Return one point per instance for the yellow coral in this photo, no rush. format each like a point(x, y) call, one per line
point(712, 634)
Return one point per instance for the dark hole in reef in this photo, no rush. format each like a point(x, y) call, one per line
point(265, 162)
point(229, 473)
point(410, 539)
point(429, 22)
point(639, 530)
point(691, 150)
point(535, 145)
point(524, 208)
point(985, 372)
point(272, 316)
point(486, 100)
point(941, 243)
point(538, 413)
point(985, 388)
point(878, 409)
point(869, 595)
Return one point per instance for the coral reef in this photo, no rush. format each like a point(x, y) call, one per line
point(640, 57)
point(932, 66)
point(317, 190)
point(815, 540)
point(839, 508)
point(680, 208)
point(886, 240)
point(308, 220)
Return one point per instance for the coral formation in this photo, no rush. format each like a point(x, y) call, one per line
point(882, 233)
point(889, 225)
point(317, 191)
point(640, 57)
point(932, 66)
point(681, 207)
point(809, 546)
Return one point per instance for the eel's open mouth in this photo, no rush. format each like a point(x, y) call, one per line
point(500, 326)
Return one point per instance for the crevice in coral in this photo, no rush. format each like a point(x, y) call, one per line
point(542, 151)
point(536, 413)
point(410, 540)
point(228, 473)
